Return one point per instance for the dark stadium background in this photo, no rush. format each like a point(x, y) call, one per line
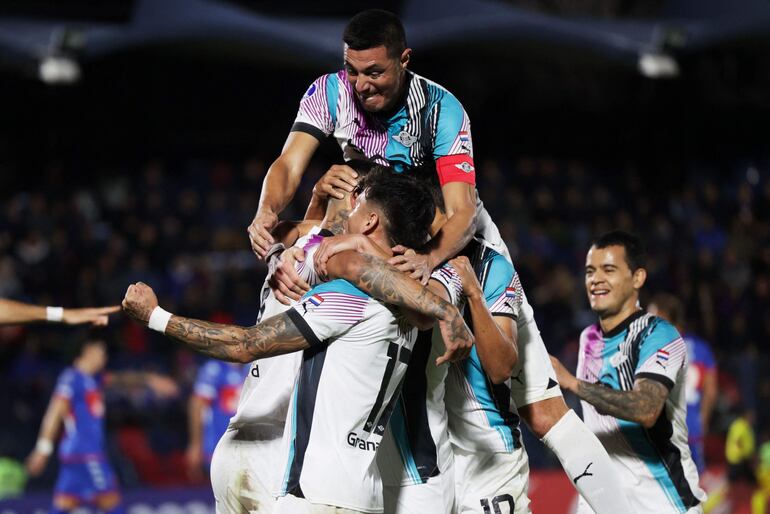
point(149, 168)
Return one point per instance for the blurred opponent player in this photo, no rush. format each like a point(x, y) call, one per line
point(213, 402)
point(631, 380)
point(376, 109)
point(85, 475)
point(701, 390)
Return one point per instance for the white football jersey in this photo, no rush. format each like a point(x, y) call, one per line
point(266, 392)
point(344, 395)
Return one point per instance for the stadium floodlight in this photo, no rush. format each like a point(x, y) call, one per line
point(59, 66)
point(658, 65)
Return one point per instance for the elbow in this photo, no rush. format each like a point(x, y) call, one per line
point(503, 371)
point(648, 420)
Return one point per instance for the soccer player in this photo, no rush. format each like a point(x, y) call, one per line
point(85, 475)
point(213, 402)
point(355, 354)
point(631, 380)
point(379, 110)
point(701, 389)
point(13, 312)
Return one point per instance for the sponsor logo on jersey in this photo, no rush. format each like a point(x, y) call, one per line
point(310, 91)
point(618, 359)
point(405, 138)
point(662, 358)
point(362, 444)
point(465, 166)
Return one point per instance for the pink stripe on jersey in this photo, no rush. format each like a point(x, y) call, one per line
point(592, 345)
point(363, 135)
point(314, 108)
point(343, 307)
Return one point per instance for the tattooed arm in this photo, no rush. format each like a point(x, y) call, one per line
point(643, 404)
point(384, 282)
point(274, 336)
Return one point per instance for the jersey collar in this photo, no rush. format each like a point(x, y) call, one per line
point(623, 325)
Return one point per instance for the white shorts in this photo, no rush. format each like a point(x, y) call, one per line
point(436, 496)
point(491, 483)
point(237, 487)
point(533, 378)
point(291, 504)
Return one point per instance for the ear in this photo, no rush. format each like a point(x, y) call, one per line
point(404, 59)
point(639, 278)
point(372, 222)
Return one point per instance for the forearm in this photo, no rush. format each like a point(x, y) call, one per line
point(18, 312)
point(316, 210)
point(195, 421)
point(278, 187)
point(641, 405)
point(497, 351)
point(384, 282)
point(454, 235)
point(274, 336)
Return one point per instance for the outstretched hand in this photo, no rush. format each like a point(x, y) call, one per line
point(97, 316)
point(139, 302)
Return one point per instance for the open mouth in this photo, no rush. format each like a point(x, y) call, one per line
point(598, 293)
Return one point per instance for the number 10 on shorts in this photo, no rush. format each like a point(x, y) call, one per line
point(494, 506)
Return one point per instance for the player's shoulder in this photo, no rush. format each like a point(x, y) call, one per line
point(591, 333)
point(69, 374)
point(336, 287)
point(661, 331)
point(324, 82)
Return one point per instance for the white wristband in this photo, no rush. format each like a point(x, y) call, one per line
point(55, 314)
point(159, 319)
point(44, 447)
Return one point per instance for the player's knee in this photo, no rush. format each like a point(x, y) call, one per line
point(543, 415)
point(108, 501)
point(65, 502)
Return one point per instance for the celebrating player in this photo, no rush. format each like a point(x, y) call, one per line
point(631, 380)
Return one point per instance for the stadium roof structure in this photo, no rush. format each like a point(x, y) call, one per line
point(238, 30)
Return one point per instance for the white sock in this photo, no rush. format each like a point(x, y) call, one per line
point(587, 464)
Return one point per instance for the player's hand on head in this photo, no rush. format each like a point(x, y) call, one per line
point(467, 275)
point(139, 302)
point(286, 284)
point(97, 316)
point(418, 266)
point(458, 338)
point(259, 232)
point(336, 182)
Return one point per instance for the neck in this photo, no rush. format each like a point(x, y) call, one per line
point(609, 322)
point(382, 241)
point(83, 367)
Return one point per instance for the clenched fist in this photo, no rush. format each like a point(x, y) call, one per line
point(140, 301)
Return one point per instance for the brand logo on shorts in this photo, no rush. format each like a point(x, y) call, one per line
point(405, 138)
point(362, 444)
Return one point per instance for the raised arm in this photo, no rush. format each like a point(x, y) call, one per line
point(643, 404)
point(274, 336)
point(17, 312)
point(496, 336)
point(377, 278)
point(278, 188)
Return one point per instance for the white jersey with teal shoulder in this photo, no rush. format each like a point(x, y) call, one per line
point(344, 395)
point(264, 401)
point(654, 463)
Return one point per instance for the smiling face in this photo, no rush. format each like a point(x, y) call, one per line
point(376, 77)
point(611, 285)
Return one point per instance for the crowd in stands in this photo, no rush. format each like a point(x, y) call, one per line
point(181, 227)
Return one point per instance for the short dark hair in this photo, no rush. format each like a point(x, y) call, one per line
point(636, 255)
point(427, 175)
point(671, 306)
point(373, 28)
point(406, 204)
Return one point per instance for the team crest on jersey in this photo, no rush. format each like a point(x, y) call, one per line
point(465, 166)
point(618, 359)
point(661, 358)
point(311, 91)
point(405, 138)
